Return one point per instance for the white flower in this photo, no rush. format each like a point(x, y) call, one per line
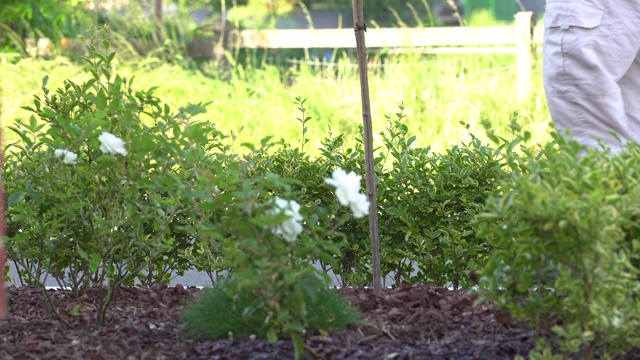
point(68, 157)
point(347, 185)
point(348, 192)
point(359, 206)
point(290, 228)
point(112, 144)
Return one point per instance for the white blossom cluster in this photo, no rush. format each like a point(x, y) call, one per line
point(290, 228)
point(109, 144)
point(347, 191)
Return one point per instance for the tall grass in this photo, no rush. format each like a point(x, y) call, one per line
point(437, 92)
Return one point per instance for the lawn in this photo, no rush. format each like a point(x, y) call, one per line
point(257, 101)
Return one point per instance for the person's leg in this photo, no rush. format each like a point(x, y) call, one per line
point(630, 88)
point(589, 64)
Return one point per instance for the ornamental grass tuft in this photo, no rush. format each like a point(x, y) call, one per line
point(218, 314)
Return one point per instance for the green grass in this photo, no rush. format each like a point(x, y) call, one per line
point(437, 92)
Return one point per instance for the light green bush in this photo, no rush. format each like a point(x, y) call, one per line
point(89, 212)
point(564, 235)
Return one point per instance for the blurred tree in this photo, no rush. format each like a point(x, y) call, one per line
point(43, 18)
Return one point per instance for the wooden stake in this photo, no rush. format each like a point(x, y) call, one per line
point(360, 28)
point(3, 260)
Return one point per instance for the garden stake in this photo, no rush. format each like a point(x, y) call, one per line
point(360, 28)
point(3, 299)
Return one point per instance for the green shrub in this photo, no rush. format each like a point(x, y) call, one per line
point(306, 175)
point(564, 236)
point(88, 207)
point(429, 204)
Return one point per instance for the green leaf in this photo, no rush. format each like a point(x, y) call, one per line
point(394, 211)
point(411, 140)
point(272, 337)
point(559, 331)
point(249, 146)
point(295, 327)
point(82, 253)
point(298, 346)
point(265, 140)
point(507, 200)
point(195, 109)
point(49, 113)
point(15, 198)
point(533, 355)
point(106, 73)
point(106, 160)
point(100, 114)
point(588, 336)
point(33, 123)
point(94, 263)
point(143, 145)
point(101, 100)
point(29, 108)
point(74, 311)
point(33, 194)
point(78, 205)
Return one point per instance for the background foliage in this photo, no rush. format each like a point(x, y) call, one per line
point(438, 91)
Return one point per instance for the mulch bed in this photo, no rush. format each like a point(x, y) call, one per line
point(407, 322)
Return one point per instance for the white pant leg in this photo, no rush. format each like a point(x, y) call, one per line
point(590, 70)
point(630, 88)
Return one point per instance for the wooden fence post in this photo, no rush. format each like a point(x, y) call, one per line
point(524, 47)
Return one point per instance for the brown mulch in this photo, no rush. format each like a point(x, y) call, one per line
point(407, 322)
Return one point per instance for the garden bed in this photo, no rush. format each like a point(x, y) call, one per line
point(407, 322)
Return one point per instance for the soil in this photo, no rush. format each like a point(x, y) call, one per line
point(407, 322)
